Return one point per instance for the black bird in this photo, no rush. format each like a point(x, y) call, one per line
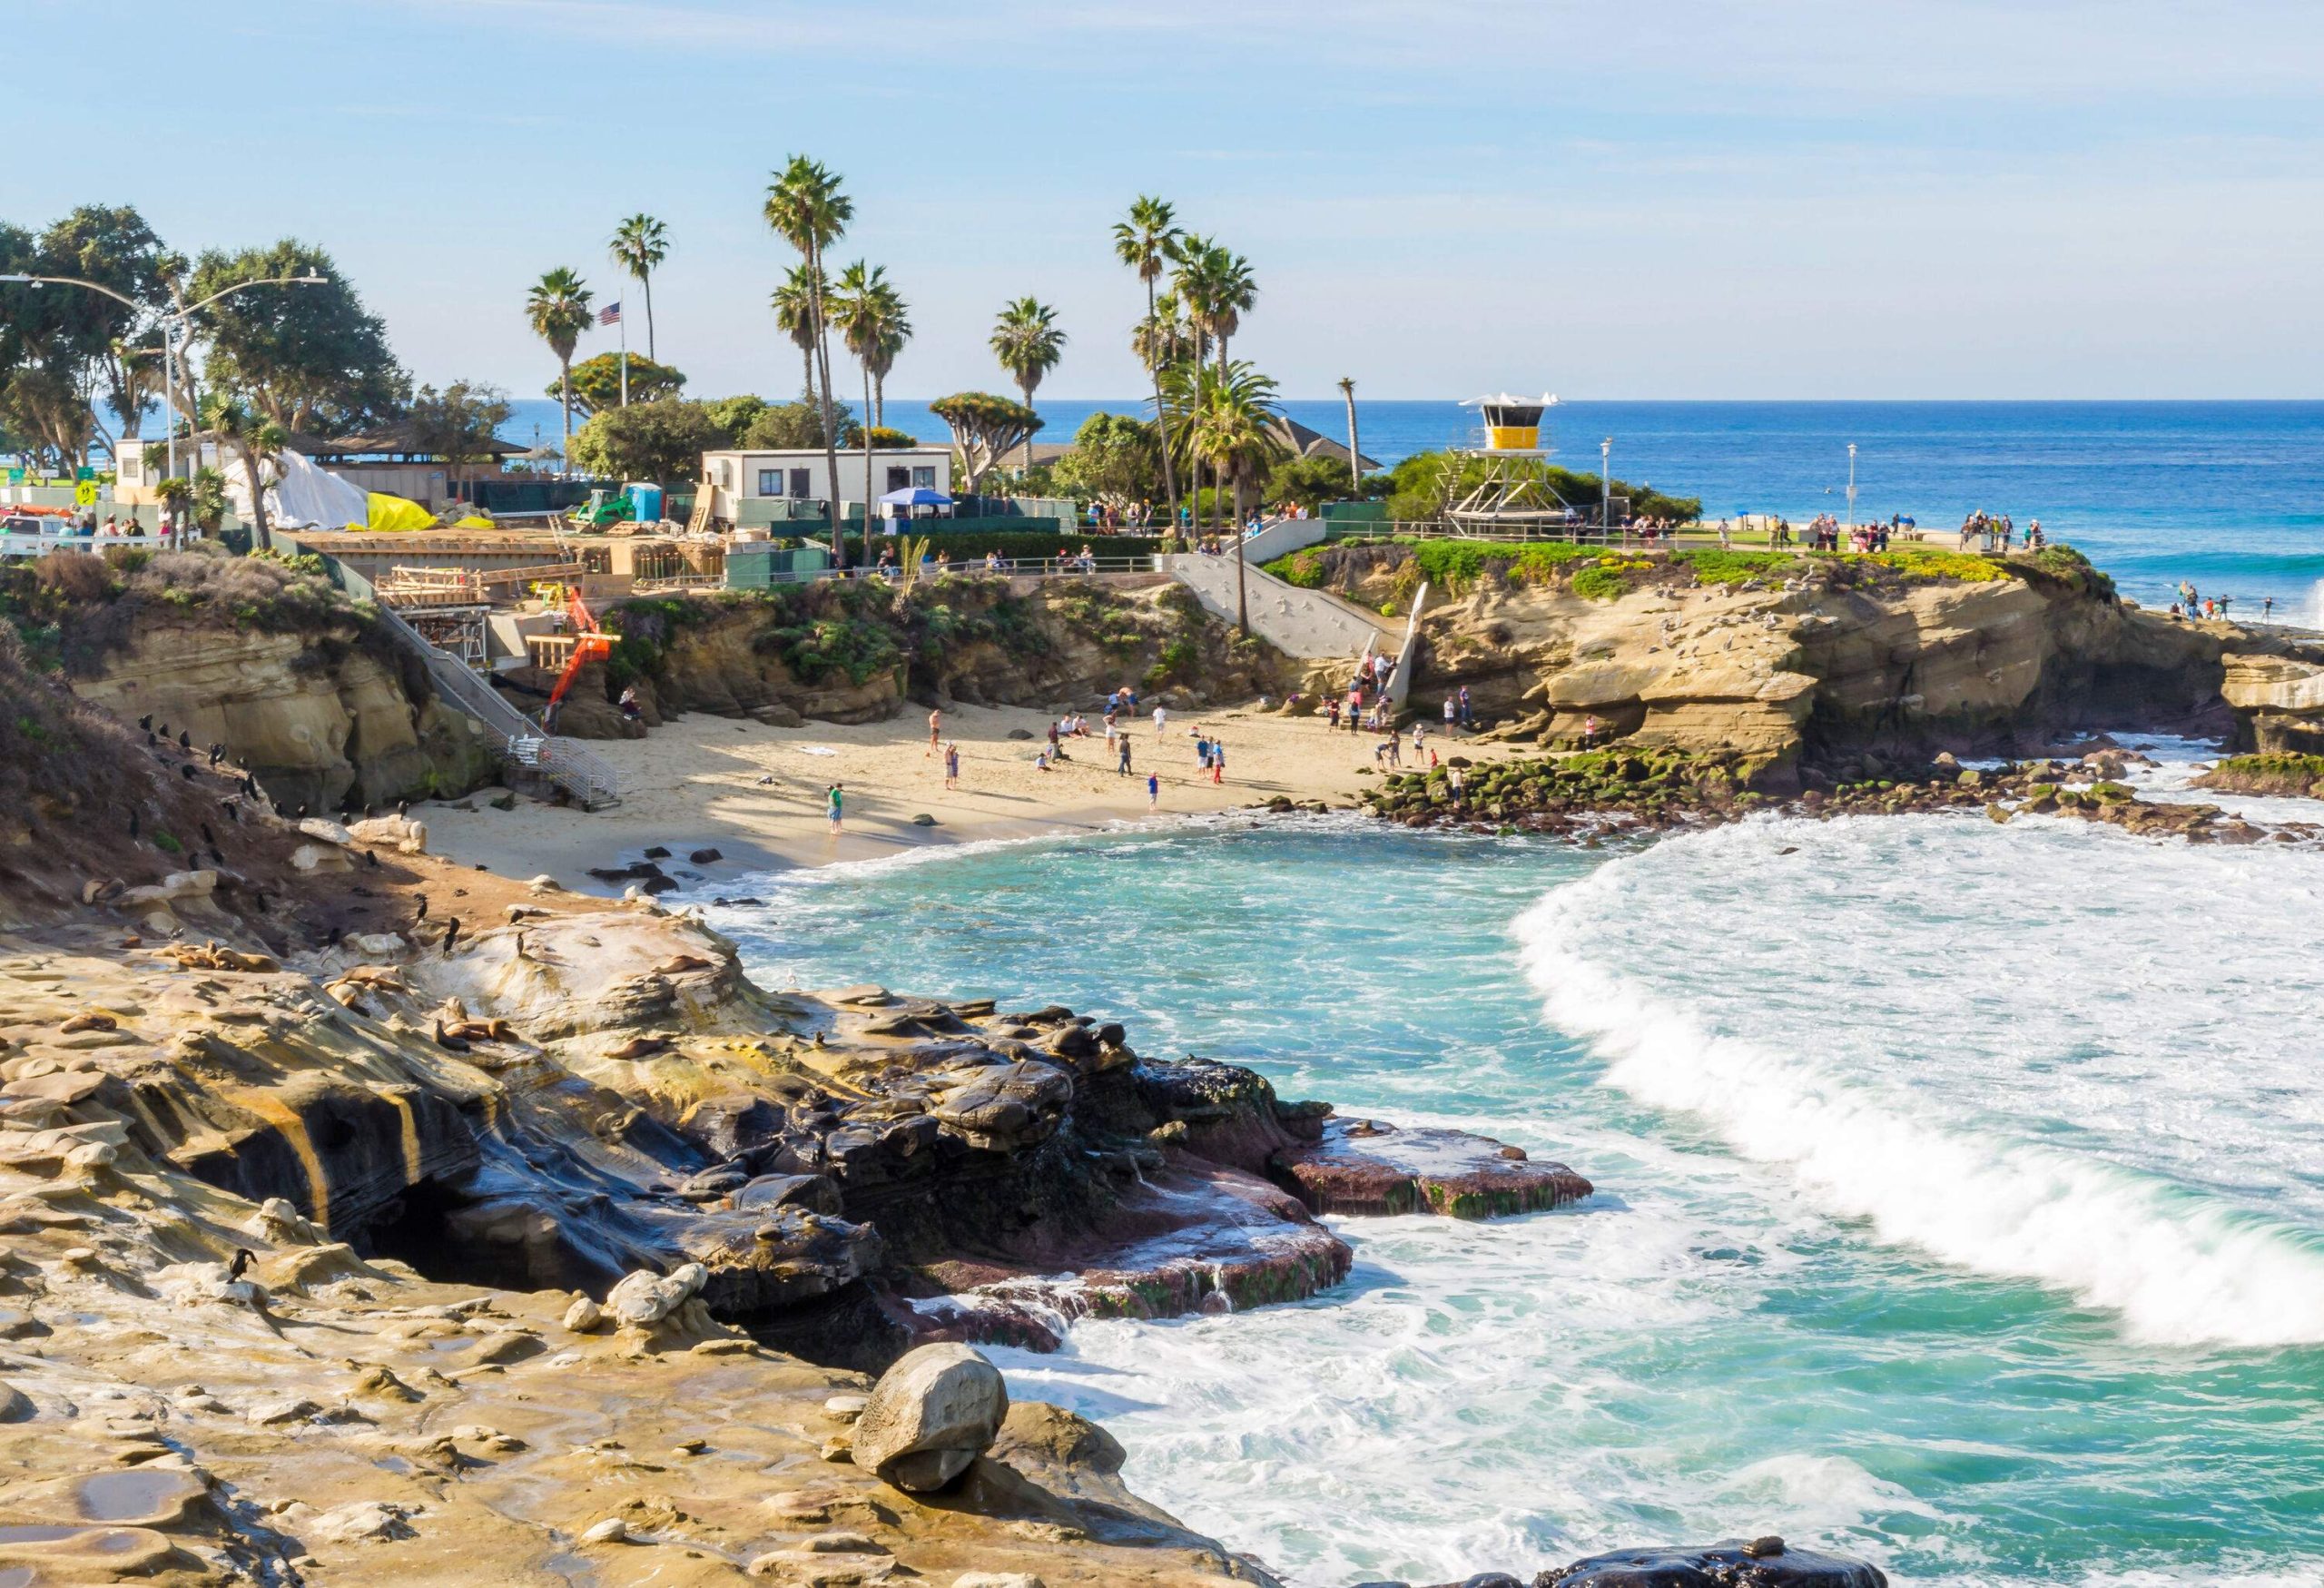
point(233, 812)
point(134, 824)
point(242, 1261)
point(208, 836)
point(217, 855)
point(423, 910)
point(150, 740)
point(277, 805)
point(331, 938)
point(451, 932)
point(187, 771)
point(146, 722)
point(302, 812)
point(259, 898)
point(185, 738)
point(403, 807)
point(217, 754)
point(165, 730)
point(249, 786)
point(370, 859)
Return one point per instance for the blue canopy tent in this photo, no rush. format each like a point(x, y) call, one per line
point(912, 499)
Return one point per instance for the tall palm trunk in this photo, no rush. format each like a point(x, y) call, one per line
point(564, 399)
point(879, 398)
point(1027, 388)
point(646, 280)
point(260, 536)
point(868, 497)
point(1354, 457)
point(1162, 420)
point(831, 423)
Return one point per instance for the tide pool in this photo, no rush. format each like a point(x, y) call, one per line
point(1961, 1200)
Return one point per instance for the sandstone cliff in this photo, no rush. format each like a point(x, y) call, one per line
point(1785, 660)
point(302, 686)
point(856, 652)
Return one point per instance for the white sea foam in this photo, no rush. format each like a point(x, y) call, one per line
point(2058, 1055)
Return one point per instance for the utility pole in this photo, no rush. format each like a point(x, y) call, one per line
point(1851, 485)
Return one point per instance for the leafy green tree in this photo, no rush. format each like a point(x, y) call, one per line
point(732, 415)
point(557, 309)
point(807, 209)
point(639, 246)
point(984, 428)
point(1115, 460)
point(459, 423)
point(1147, 243)
point(597, 382)
point(61, 346)
point(1027, 341)
point(662, 440)
point(795, 305)
point(1308, 481)
point(888, 438)
point(309, 358)
point(797, 427)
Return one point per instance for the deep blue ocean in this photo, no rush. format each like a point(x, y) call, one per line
point(2227, 495)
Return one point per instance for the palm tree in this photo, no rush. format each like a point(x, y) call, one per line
point(1145, 242)
point(251, 435)
point(870, 314)
point(558, 310)
point(1027, 341)
point(639, 246)
point(1232, 431)
point(807, 210)
point(794, 315)
point(1354, 457)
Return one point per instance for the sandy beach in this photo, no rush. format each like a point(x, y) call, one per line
point(755, 793)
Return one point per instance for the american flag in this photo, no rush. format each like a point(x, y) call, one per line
point(609, 315)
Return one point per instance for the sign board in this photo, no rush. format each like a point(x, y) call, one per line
point(85, 495)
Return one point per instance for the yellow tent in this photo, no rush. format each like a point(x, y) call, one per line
point(394, 515)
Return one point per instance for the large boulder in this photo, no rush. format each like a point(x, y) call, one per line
point(934, 1412)
point(644, 1298)
point(1763, 1563)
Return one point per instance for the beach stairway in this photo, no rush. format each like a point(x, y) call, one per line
point(543, 765)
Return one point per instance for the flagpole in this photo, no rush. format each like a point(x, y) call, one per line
point(624, 320)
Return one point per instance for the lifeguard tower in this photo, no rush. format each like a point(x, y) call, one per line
point(1513, 497)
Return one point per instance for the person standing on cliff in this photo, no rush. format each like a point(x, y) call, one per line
point(832, 804)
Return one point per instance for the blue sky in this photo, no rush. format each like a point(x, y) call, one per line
point(1656, 198)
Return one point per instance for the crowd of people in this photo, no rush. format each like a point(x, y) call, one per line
point(1985, 532)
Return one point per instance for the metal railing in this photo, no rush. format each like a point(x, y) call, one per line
point(1019, 568)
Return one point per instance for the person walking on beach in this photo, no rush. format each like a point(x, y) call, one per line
point(1160, 718)
point(2267, 607)
point(1217, 761)
point(1153, 791)
point(1121, 767)
point(935, 732)
point(831, 801)
point(1468, 717)
point(953, 764)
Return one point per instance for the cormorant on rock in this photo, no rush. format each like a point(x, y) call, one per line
point(277, 805)
point(217, 855)
point(187, 772)
point(331, 938)
point(208, 836)
point(302, 812)
point(423, 909)
point(233, 812)
point(259, 901)
point(185, 738)
point(244, 1258)
point(217, 754)
point(403, 807)
point(134, 824)
point(163, 730)
point(150, 740)
point(448, 1042)
point(370, 859)
point(146, 722)
point(451, 932)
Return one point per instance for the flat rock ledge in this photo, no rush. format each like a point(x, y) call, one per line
point(1369, 1167)
point(1760, 1563)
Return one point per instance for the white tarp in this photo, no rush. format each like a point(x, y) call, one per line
point(300, 496)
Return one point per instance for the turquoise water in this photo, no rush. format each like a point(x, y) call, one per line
point(1960, 1187)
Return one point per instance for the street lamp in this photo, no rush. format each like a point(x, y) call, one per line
point(1606, 488)
point(179, 318)
point(1851, 485)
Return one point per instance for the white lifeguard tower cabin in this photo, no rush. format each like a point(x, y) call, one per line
point(1511, 497)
